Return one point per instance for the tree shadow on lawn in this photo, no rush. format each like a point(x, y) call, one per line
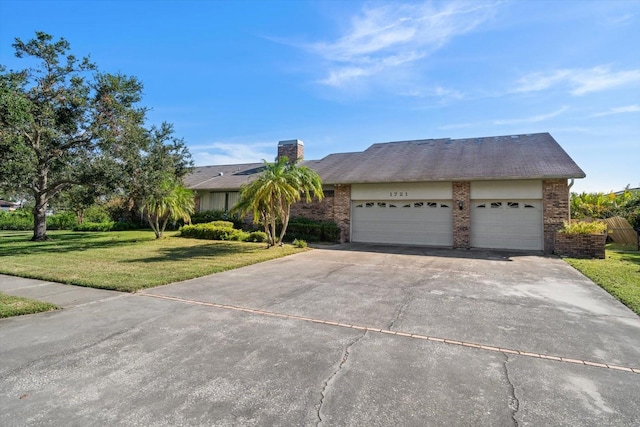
point(205, 252)
point(631, 257)
point(68, 242)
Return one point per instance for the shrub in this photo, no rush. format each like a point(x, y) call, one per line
point(94, 226)
point(17, 220)
point(62, 221)
point(583, 227)
point(211, 216)
point(312, 231)
point(215, 230)
point(96, 214)
point(256, 236)
point(300, 244)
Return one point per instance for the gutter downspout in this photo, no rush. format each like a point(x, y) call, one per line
point(569, 191)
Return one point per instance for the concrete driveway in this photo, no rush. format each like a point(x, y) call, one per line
point(348, 335)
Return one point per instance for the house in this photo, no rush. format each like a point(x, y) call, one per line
point(503, 192)
point(8, 206)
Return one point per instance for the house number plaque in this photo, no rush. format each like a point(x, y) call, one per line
point(398, 193)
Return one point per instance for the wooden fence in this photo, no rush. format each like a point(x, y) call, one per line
point(620, 231)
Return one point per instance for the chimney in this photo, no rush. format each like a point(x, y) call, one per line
point(293, 149)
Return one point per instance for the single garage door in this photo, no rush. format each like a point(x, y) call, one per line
point(417, 222)
point(507, 224)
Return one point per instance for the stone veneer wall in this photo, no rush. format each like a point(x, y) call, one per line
point(555, 210)
point(580, 245)
point(342, 210)
point(461, 217)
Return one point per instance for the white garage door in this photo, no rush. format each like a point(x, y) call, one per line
point(507, 224)
point(418, 222)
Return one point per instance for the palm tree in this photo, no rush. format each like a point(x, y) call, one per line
point(170, 201)
point(270, 196)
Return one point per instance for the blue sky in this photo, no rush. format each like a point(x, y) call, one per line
point(235, 77)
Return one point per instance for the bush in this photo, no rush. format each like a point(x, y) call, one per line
point(62, 221)
point(256, 236)
point(215, 230)
point(97, 214)
point(17, 220)
point(312, 231)
point(299, 244)
point(211, 216)
point(94, 226)
point(583, 227)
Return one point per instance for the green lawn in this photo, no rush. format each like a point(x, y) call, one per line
point(618, 274)
point(17, 306)
point(125, 261)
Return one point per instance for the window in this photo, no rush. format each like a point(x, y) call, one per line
point(513, 205)
point(495, 205)
point(382, 205)
point(442, 205)
point(528, 206)
point(369, 204)
point(432, 205)
point(221, 201)
point(418, 205)
point(481, 206)
point(359, 206)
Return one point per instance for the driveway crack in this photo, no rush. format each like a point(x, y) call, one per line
point(327, 385)
point(400, 311)
point(514, 402)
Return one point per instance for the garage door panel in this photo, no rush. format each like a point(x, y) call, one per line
point(506, 224)
point(404, 222)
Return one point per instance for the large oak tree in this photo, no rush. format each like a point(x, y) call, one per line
point(63, 124)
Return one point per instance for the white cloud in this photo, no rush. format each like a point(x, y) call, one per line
point(619, 110)
point(393, 36)
point(532, 119)
point(224, 153)
point(579, 81)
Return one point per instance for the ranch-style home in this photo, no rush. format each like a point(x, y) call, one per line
point(501, 192)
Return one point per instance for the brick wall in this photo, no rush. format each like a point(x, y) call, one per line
point(317, 210)
point(461, 217)
point(555, 210)
point(580, 245)
point(342, 210)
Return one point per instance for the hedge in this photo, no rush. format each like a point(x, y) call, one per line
point(221, 230)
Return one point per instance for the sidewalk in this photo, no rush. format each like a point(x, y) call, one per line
point(65, 296)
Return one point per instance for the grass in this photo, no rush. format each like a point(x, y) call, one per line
point(127, 260)
point(17, 306)
point(618, 274)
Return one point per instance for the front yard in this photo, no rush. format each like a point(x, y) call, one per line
point(125, 261)
point(618, 274)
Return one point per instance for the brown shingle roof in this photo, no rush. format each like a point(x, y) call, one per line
point(531, 156)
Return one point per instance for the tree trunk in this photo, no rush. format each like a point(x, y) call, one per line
point(153, 223)
point(40, 219)
point(285, 224)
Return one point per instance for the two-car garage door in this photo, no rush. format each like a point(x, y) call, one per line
point(503, 215)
